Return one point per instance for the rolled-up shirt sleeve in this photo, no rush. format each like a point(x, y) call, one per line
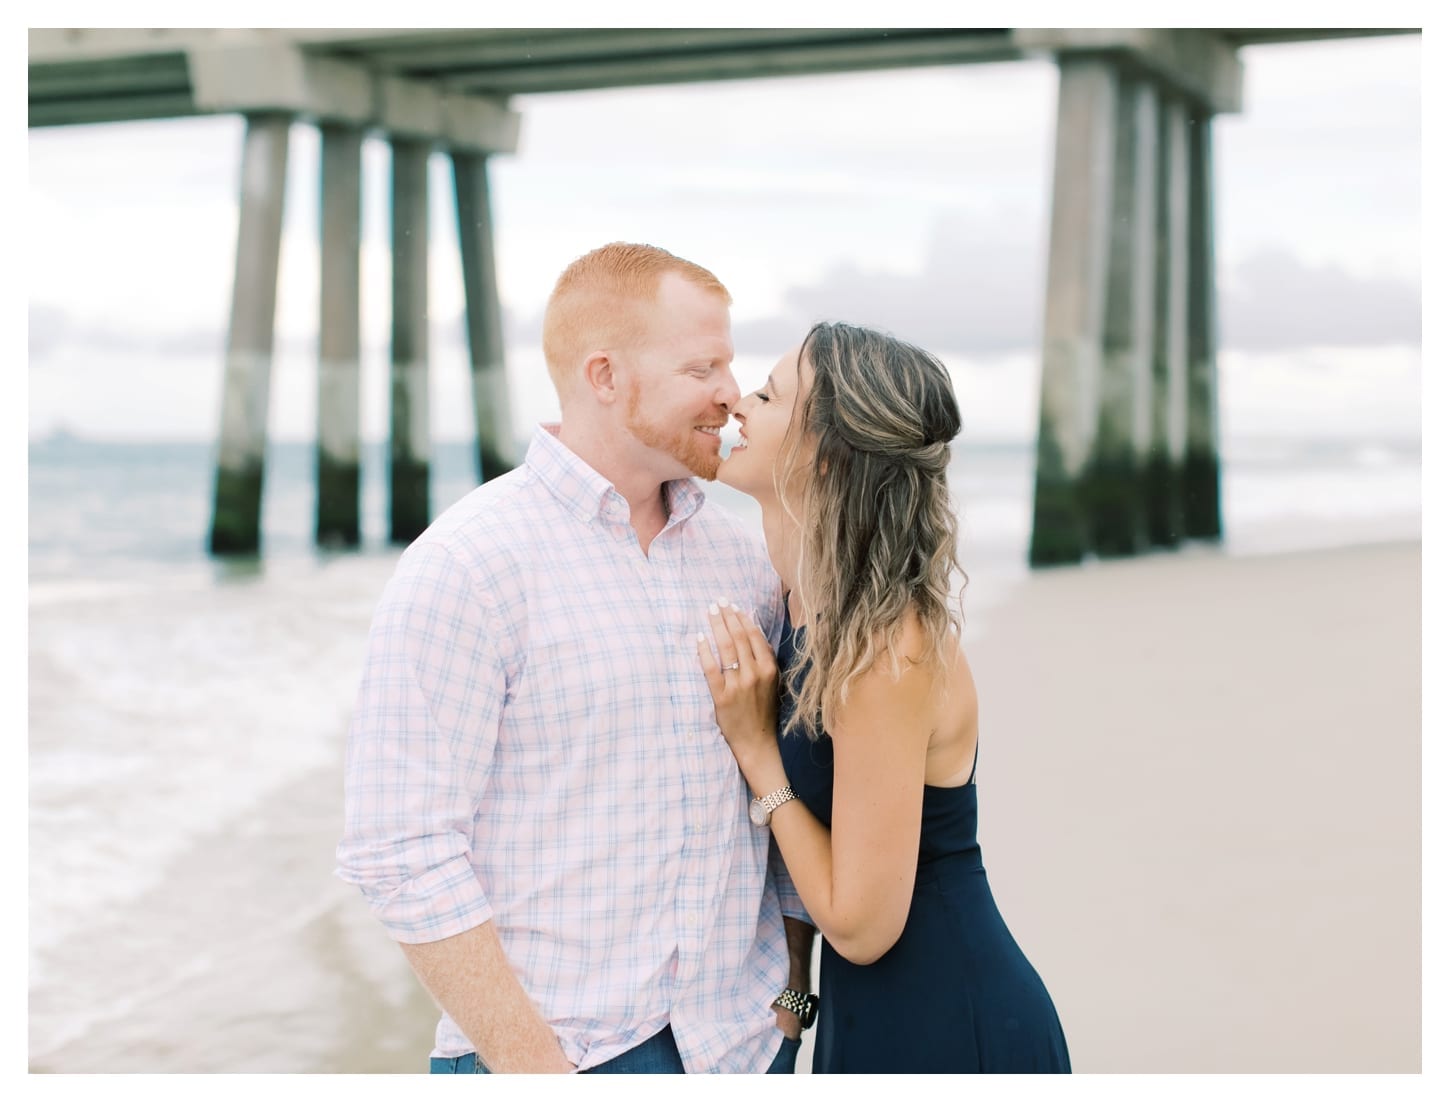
point(419, 747)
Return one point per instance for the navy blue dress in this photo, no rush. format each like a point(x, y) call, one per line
point(955, 993)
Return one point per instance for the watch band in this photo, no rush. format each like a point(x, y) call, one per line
point(802, 1005)
point(782, 795)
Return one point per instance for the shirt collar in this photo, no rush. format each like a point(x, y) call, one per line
point(586, 493)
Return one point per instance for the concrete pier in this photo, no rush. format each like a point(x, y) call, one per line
point(242, 442)
point(1202, 511)
point(1127, 451)
point(338, 409)
point(1164, 482)
point(1114, 493)
point(408, 511)
point(1119, 337)
point(483, 315)
point(1082, 204)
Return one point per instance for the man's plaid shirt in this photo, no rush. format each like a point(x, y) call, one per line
point(534, 745)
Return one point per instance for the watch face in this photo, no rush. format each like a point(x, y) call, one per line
point(808, 1015)
point(758, 815)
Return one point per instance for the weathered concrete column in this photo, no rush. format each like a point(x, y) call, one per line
point(338, 412)
point(1170, 332)
point(408, 452)
point(1202, 512)
point(242, 444)
point(493, 425)
point(1082, 203)
point(1114, 490)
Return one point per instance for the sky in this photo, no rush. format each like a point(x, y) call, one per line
point(915, 200)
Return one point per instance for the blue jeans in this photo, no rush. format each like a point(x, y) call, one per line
point(657, 1056)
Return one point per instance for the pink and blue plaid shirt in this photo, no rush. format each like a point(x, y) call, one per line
point(534, 745)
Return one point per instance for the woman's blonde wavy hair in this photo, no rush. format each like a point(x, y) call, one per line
point(878, 532)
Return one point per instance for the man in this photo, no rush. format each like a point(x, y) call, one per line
point(539, 806)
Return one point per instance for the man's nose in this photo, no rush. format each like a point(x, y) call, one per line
point(729, 395)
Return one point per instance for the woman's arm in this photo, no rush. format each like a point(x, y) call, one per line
point(855, 880)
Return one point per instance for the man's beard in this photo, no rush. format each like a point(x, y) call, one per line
point(684, 446)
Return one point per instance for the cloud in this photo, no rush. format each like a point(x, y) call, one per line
point(54, 328)
point(978, 293)
point(1273, 301)
point(769, 337)
point(1329, 392)
point(46, 330)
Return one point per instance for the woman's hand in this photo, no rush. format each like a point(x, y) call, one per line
point(742, 680)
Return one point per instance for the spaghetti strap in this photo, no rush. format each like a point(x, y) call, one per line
point(976, 753)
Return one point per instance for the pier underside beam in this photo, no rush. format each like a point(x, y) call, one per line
point(484, 316)
point(408, 506)
point(339, 326)
point(242, 442)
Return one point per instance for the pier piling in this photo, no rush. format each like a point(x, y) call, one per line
point(1114, 497)
point(338, 402)
point(483, 315)
point(1164, 487)
point(1082, 203)
point(408, 507)
point(242, 441)
point(1202, 510)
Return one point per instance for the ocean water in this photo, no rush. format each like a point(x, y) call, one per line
point(186, 719)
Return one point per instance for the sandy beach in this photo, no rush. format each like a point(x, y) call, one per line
point(1200, 794)
point(1200, 799)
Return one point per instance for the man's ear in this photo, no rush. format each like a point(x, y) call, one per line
point(600, 377)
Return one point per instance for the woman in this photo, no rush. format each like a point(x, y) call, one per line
point(867, 776)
